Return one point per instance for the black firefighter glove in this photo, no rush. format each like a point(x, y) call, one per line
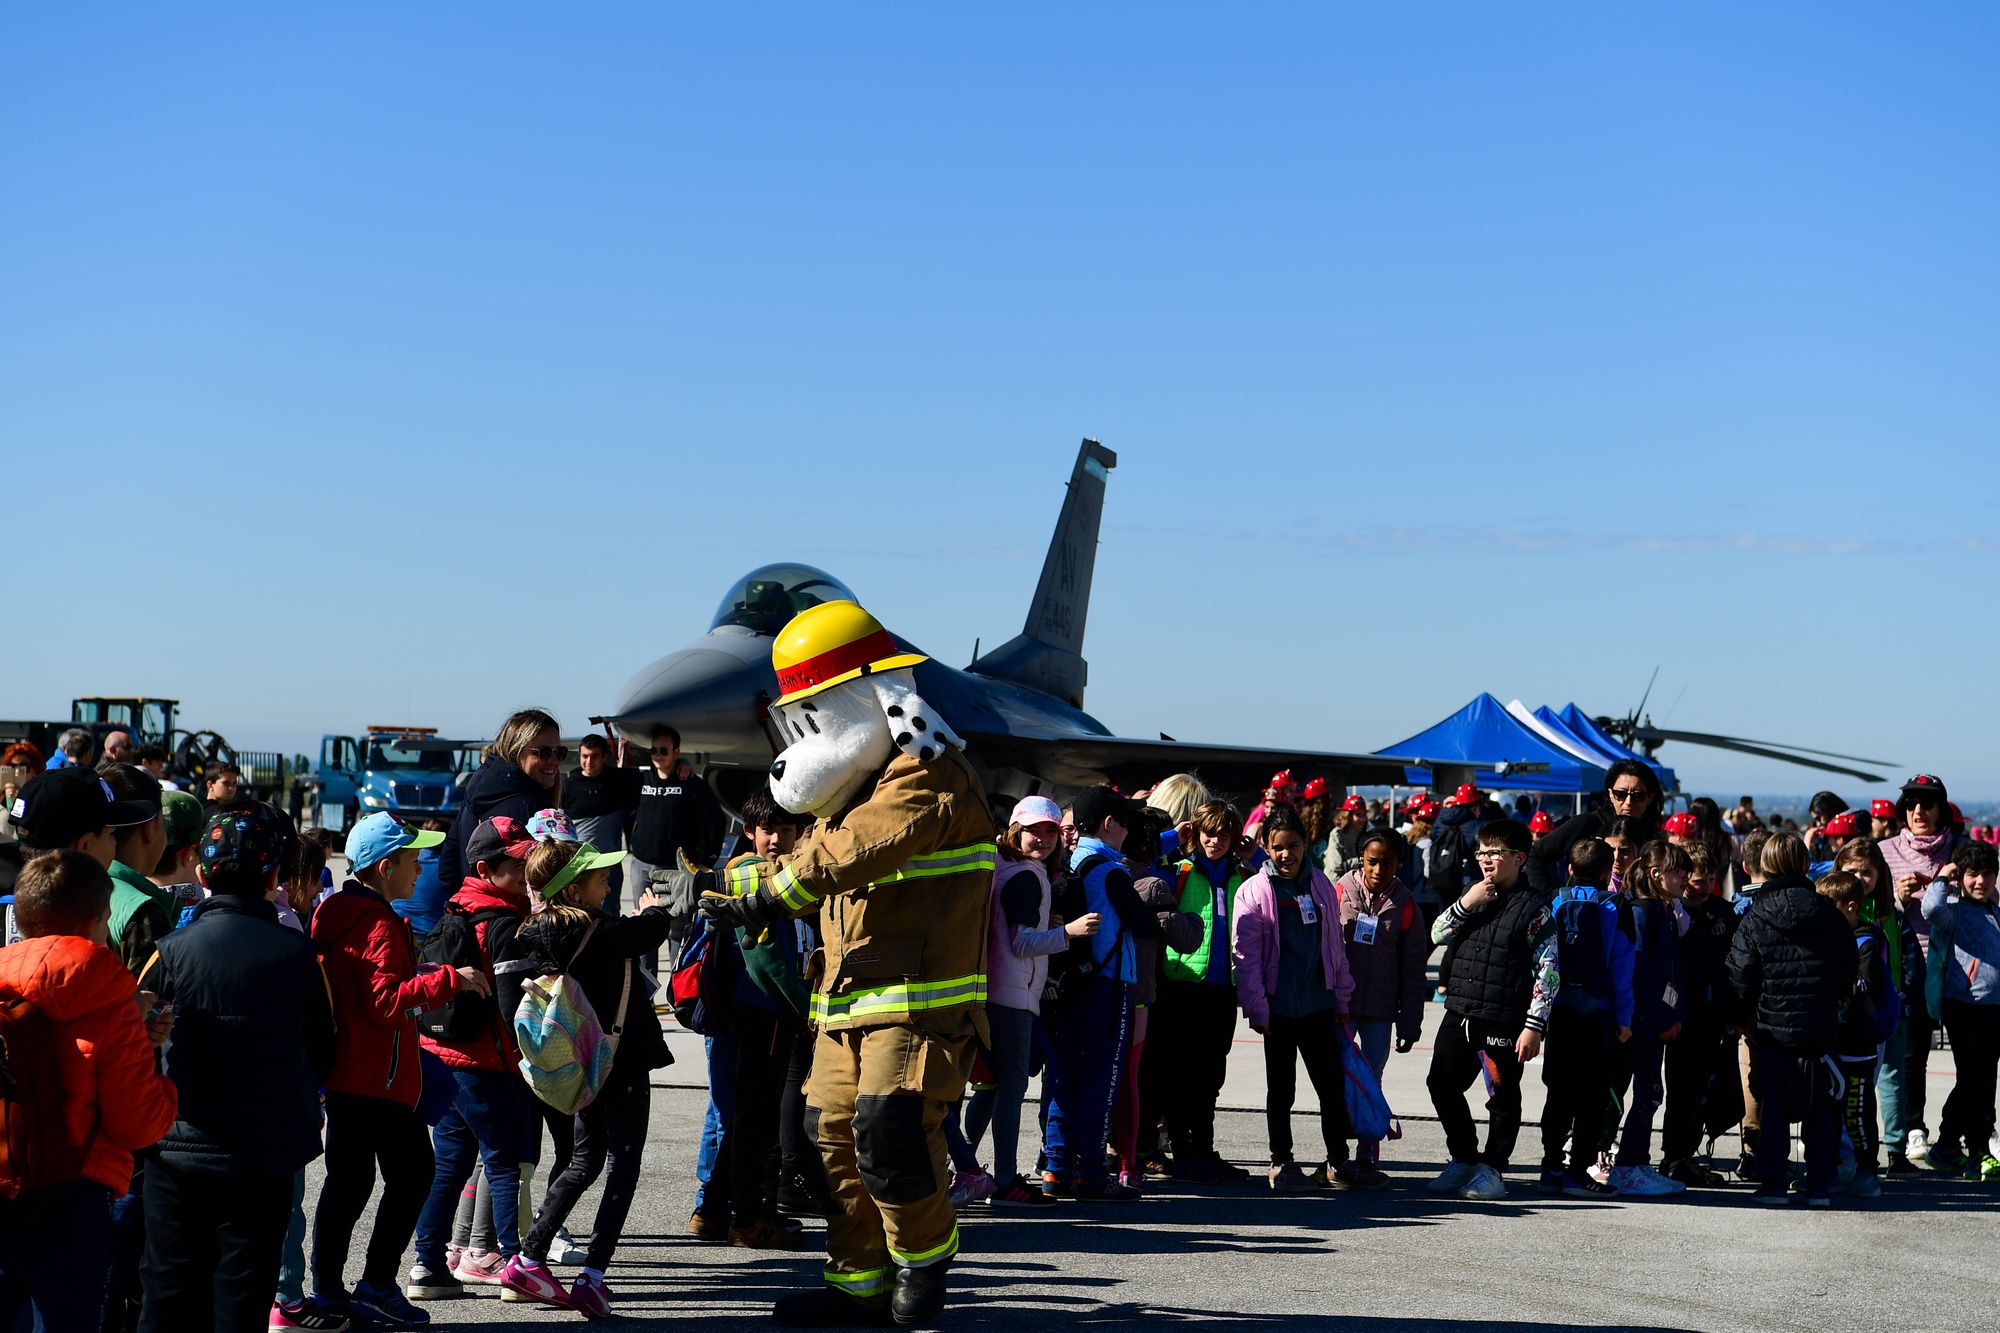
point(752, 912)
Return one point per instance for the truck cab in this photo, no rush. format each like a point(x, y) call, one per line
point(408, 771)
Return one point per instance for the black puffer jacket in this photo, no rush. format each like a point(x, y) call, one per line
point(495, 788)
point(1793, 964)
point(1488, 968)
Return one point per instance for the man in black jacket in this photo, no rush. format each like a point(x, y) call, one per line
point(252, 1044)
point(1793, 963)
point(678, 815)
point(602, 798)
point(1489, 934)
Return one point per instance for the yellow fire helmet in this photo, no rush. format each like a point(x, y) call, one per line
point(830, 644)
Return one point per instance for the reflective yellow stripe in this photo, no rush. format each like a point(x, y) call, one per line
point(923, 1258)
point(949, 861)
point(742, 879)
point(873, 1282)
point(790, 892)
point(899, 997)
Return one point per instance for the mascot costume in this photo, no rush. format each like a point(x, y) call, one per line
point(899, 867)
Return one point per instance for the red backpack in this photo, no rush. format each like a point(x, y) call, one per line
point(34, 1131)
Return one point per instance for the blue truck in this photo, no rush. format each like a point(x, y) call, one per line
point(409, 771)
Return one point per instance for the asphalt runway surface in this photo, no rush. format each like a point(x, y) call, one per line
point(1241, 1258)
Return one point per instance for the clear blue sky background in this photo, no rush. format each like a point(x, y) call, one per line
point(413, 363)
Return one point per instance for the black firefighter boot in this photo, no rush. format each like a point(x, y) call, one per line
point(823, 1307)
point(919, 1295)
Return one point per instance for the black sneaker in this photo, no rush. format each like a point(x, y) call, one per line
point(1018, 1193)
point(1900, 1165)
point(1580, 1185)
point(1549, 1182)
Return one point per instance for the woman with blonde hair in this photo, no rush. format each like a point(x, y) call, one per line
point(521, 773)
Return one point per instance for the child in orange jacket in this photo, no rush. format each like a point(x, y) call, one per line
point(74, 1021)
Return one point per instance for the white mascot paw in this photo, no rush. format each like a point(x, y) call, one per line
point(839, 739)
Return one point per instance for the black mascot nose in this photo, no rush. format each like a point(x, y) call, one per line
point(777, 770)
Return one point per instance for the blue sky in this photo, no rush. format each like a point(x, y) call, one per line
point(393, 364)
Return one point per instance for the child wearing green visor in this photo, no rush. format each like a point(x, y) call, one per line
point(571, 933)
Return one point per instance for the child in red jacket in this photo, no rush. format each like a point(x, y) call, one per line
point(370, 960)
point(55, 1237)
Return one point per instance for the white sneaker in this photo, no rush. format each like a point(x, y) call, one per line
point(1485, 1185)
point(1919, 1148)
point(1453, 1178)
point(1643, 1182)
point(563, 1250)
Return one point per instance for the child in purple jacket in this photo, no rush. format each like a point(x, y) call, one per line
point(1293, 982)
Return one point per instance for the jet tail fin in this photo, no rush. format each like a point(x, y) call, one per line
point(1047, 654)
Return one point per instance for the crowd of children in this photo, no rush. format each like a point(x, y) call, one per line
point(211, 1013)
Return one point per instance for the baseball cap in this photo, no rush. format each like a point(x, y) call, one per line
point(1467, 794)
point(1355, 801)
point(182, 816)
point(60, 805)
point(1843, 825)
point(551, 826)
point(1678, 825)
point(494, 838)
point(1922, 787)
point(248, 836)
point(1882, 809)
point(382, 834)
point(1094, 805)
point(1035, 810)
point(1541, 822)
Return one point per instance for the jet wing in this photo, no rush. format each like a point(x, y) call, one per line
point(1130, 764)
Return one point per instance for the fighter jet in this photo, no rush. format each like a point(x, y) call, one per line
point(1019, 707)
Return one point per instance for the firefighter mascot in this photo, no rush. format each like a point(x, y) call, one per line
point(899, 867)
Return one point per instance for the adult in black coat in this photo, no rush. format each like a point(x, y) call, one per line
point(1792, 964)
point(1631, 789)
point(522, 774)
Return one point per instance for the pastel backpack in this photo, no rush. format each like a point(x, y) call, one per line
point(566, 1054)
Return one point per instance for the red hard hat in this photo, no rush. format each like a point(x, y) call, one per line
point(1282, 779)
point(1467, 795)
point(1542, 822)
point(1313, 790)
point(1882, 809)
point(1417, 798)
point(1355, 801)
point(1428, 811)
point(1679, 825)
point(1843, 825)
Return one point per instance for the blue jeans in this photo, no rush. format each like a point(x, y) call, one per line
point(489, 1120)
point(1087, 1050)
point(1889, 1088)
point(721, 1110)
point(55, 1255)
point(292, 1267)
point(1000, 1105)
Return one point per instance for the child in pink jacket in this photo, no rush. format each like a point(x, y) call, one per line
point(1293, 982)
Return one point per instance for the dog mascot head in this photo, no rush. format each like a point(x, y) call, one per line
point(847, 704)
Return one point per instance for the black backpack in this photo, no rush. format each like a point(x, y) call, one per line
point(454, 943)
point(1450, 864)
point(1071, 969)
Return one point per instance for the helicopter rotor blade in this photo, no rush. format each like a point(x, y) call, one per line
point(1699, 737)
point(1726, 743)
point(1640, 710)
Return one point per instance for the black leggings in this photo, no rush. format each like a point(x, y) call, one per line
point(1974, 1033)
point(1316, 1038)
point(614, 1127)
point(360, 1133)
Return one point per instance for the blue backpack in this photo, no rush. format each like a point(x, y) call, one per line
point(1367, 1108)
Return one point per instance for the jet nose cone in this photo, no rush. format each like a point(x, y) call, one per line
point(706, 691)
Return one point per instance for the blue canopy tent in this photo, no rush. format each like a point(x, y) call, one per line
point(1599, 739)
point(1485, 733)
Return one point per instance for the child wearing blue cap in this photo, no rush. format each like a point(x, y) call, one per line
point(370, 959)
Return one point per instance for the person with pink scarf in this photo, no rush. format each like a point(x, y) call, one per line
point(1915, 857)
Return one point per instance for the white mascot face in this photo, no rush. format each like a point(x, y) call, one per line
point(839, 739)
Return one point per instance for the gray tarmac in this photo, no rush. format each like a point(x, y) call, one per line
point(1241, 1258)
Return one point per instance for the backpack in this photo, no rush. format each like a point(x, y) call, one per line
point(454, 943)
point(34, 1130)
point(1580, 950)
point(1071, 969)
point(704, 982)
point(1885, 1009)
point(1449, 869)
point(1367, 1109)
point(565, 1052)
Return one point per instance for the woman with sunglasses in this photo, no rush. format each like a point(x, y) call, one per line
point(522, 774)
point(1915, 857)
point(1631, 791)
